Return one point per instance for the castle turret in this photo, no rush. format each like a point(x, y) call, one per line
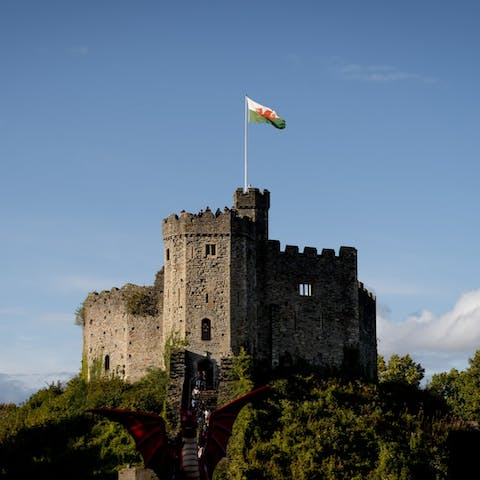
point(254, 204)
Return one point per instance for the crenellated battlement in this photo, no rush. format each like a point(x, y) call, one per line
point(114, 294)
point(252, 198)
point(121, 298)
point(204, 215)
point(205, 222)
point(345, 253)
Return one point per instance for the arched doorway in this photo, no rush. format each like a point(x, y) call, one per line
point(205, 370)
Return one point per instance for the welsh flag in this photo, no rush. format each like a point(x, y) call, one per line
point(259, 114)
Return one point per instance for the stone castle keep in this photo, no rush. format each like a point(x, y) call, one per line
point(225, 285)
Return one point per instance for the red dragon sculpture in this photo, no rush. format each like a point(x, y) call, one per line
point(180, 459)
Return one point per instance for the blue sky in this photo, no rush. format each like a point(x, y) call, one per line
point(115, 114)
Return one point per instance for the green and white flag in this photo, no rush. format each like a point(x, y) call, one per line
point(259, 114)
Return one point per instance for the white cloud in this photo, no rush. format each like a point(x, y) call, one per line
point(379, 73)
point(451, 338)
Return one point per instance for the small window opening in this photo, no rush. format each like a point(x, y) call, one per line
point(206, 298)
point(210, 249)
point(206, 329)
point(168, 254)
point(107, 362)
point(305, 289)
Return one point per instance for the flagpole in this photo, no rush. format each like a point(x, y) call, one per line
point(245, 147)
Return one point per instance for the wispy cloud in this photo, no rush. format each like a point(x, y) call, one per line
point(57, 319)
point(12, 312)
point(83, 284)
point(78, 51)
point(18, 388)
point(397, 288)
point(380, 74)
point(453, 335)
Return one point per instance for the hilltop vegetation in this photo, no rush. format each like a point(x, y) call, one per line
point(308, 427)
point(51, 435)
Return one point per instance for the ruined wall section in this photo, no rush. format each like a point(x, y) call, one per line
point(118, 342)
point(312, 305)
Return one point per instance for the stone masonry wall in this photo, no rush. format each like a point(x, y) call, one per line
point(368, 331)
point(198, 272)
point(315, 327)
point(132, 343)
point(243, 282)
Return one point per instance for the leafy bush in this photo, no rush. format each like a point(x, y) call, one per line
point(142, 301)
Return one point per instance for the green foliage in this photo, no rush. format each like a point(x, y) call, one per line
point(461, 390)
point(311, 428)
point(307, 428)
point(401, 370)
point(52, 436)
point(95, 370)
point(238, 379)
point(446, 385)
point(80, 315)
point(173, 343)
point(141, 301)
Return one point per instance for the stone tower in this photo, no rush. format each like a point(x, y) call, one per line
point(209, 275)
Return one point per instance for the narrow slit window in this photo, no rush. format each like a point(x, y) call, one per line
point(206, 329)
point(168, 254)
point(305, 289)
point(107, 363)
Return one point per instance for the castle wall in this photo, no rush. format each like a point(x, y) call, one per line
point(312, 305)
point(133, 343)
point(368, 331)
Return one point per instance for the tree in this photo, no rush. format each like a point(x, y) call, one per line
point(467, 402)
point(461, 390)
point(401, 370)
point(445, 385)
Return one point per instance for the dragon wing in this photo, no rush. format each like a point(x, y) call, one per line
point(220, 430)
point(148, 431)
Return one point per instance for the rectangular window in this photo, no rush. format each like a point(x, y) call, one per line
point(305, 289)
point(210, 249)
point(168, 254)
